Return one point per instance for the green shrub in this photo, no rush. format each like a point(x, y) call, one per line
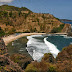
point(37, 20)
point(57, 18)
point(19, 13)
point(52, 69)
point(35, 30)
point(64, 49)
point(43, 16)
point(8, 23)
point(12, 31)
point(1, 68)
point(10, 14)
point(48, 57)
point(27, 31)
point(26, 15)
point(2, 33)
point(31, 68)
point(57, 29)
point(3, 14)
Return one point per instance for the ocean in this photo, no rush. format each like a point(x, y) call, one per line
point(37, 45)
point(67, 22)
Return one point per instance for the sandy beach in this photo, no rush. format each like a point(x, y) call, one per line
point(11, 38)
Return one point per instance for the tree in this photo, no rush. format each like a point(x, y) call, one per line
point(19, 13)
point(2, 33)
point(10, 14)
point(5, 14)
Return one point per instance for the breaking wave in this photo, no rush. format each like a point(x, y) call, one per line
point(38, 47)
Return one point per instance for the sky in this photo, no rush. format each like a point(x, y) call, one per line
point(59, 8)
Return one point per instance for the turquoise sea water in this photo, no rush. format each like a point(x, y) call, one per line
point(60, 41)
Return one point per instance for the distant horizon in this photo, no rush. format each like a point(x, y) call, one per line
point(59, 8)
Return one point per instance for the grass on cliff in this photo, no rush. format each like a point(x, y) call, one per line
point(57, 29)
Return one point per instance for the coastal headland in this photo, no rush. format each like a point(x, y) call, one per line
point(19, 22)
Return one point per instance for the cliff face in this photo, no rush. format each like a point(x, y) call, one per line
point(14, 19)
point(67, 28)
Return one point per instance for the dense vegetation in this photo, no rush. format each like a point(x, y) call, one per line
point(57, 29)
point(63, 62)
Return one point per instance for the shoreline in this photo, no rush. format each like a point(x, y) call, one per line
point(13, 37)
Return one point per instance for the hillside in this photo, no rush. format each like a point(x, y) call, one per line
point(14, 19)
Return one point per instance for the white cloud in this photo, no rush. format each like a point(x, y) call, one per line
point(5, 1)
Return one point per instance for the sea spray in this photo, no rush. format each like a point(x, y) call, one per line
point(36, 47)
point(52, 48)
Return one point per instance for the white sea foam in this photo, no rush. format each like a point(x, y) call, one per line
point(13, 44)
point(52, 48)
point(20, 50)
point(36, 48)
point(67, 37)
point(71, 43)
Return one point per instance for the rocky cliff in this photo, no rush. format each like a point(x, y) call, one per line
point(14, 19)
